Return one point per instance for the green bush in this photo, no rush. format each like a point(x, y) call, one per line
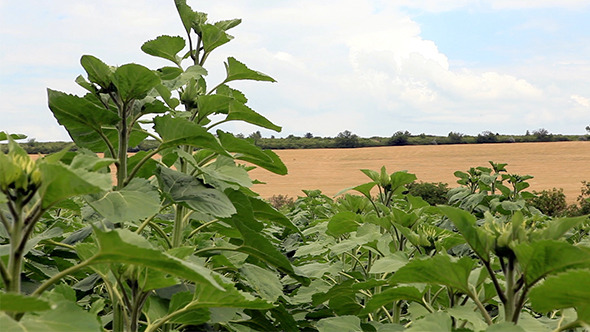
point(550, 202)
point(433, 193)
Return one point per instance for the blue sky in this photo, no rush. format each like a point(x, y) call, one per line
point(369, 66)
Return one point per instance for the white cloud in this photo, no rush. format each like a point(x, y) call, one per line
point(359, 65)
point(582, 101)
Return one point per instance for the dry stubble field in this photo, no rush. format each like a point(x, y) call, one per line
point(555, 164)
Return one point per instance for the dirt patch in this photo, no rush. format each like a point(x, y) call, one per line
point(555, 164)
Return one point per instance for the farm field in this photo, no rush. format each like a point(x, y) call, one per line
point(553, 164)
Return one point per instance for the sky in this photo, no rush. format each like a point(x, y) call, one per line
point(372, 67)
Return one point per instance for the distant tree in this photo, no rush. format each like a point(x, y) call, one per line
point(255, 135)
point(487, 137)
point(542, 135)
point(399, 138)
point(455, 137)
point(346, 139)
point(527, 133)
point(240, 135)
point(588, 129)
point(308, 135)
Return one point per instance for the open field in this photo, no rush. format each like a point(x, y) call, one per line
point(554, 164)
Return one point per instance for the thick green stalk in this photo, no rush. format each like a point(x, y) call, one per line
point(16, 256)
point(509, 306)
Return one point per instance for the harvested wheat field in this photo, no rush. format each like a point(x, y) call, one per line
point(554, 164)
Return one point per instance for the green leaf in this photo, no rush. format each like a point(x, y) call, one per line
point(391, 295)
point(22, 303)
point(342, 223)
point(60, 182)
point(187, 15)
point(241, 112)
point(465, 222)
point(254, 243)
point(470, 314)
point(98, 72)
point(504, 327)
point(390, 263)
point(4, 136)
point(179, 131)
point(134, 81)
point(82, 118)
point(166, 47)
point(238, 71)
point(138, 200)
point(213, 36)
point(188, 190)
point(570, 289)
point(340, 324)
point(266, 283)
point(439, 270)
point(124, 246)
point(264, 211)
point(67, 316)
point(249, 152)
point(557, 228)
point(438, 321)
point(542, 258)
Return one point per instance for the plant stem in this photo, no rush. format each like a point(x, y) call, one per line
point(62, 274)
point(509, 306)
point(482, 309)
point(196, 230)
point(137, 166)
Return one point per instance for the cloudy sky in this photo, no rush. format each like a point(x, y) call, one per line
point(369, 66)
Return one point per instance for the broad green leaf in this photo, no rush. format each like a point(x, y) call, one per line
point(166, 47)
point(438, 321)
point(249, 152)
point(67, 316)
point(191, 75)
point(439, 269)
point(60, 182)
point(238, 71)
point(4, 136)
point(180, 302)
point(390, 263)
point(22, 303)
point(241, 112)
point(465, 222)
point(391, 295)
point(207, 297)
point(265, 282)
point(399, 179)
point(470, 314)
point(138, 200)
point(148, 168)
point(504, 327)
point(188, 190)
point(342, 223)
point(98, 72)
point(187, 15)
point(82, 118)
point(256, 244)
point(123, 246)
point(134, 81)
point(228, 24)
point(557, 228)
point(213, 36)
point(340, 324)
point(542, 258)
point(570, 289)
point(179, 131)
point(213, 104)
point(264, 211)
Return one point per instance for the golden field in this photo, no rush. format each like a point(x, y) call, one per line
point(553, 164)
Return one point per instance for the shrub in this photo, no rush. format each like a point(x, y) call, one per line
point(399, 138)
point(455, 138)
point(280, 202)
point(433, 193)
point(487, 137)
point(550, 202)
point(346, 139)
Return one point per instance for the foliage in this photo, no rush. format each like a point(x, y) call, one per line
point(433, 193)
point(550, 202)
point(346, 139)
point(179, 242)
point(399, 138)
point(487, 137)
point(281, 202)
